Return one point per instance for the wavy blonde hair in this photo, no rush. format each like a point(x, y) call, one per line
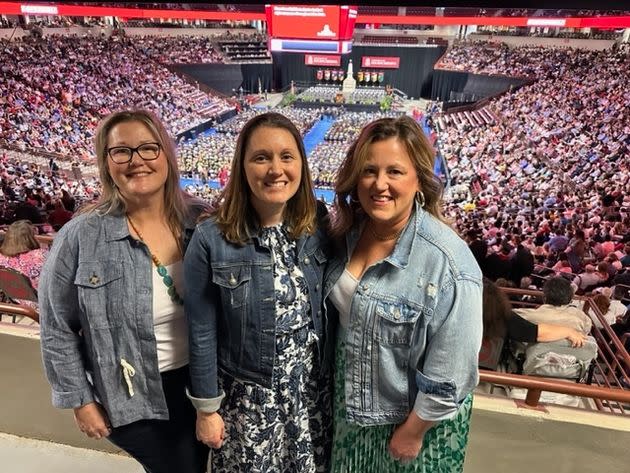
point(347, 207)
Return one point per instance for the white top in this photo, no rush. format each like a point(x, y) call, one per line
point(169, 322)
point(342, 294)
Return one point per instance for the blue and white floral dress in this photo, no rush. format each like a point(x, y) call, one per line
point(288, 427)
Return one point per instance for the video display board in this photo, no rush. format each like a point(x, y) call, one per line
point(314, 22)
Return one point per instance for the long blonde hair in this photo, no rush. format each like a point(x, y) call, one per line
point(235, 214)
point(19, 238)
point(421, 153)
point(176, 201)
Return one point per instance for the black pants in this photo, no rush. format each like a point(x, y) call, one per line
point(166, 446)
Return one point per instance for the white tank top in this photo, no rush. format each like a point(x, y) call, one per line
point(342, 294)
point(169, 322)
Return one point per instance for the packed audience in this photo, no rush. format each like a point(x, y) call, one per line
point(42, 191)
point(546, 190)
point(58, 111)
point(184, 49)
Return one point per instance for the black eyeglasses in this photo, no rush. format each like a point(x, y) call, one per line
point(123, 154)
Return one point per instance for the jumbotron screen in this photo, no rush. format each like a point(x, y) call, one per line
point(313, 22)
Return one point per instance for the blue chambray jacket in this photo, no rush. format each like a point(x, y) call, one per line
point(415, 326)
point(96, 310)
point(231, 306)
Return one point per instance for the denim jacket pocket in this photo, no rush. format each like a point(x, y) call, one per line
point(396, 322)
point(99, 288)
point(234, 283)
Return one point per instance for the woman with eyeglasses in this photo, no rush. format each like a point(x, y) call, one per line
point(113, 333)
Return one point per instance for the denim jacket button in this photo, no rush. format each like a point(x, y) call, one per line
point(232, 280)
point(365, 287)
point(317, 287)
point(307, 260)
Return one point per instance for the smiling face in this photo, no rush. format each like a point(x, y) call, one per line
point(138, 179)
point(387, 185)
point(273, 169)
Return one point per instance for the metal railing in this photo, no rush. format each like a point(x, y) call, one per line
point(535, 386)
point(13, 310)
point(608, 378)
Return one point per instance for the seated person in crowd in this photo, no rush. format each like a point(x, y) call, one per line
point(557, 308)
point(591, 277)
point(500, 321)
point(21, 251)
point(608, 301)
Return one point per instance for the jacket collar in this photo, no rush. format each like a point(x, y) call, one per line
point(116, 227)
point(399, 257)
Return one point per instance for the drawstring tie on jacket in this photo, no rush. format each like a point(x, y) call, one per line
point(128, 373)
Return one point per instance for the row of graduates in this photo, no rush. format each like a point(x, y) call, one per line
point(281, 336)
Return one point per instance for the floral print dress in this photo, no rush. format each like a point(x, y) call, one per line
point(288, 427)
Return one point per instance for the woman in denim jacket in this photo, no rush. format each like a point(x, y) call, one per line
point(254, 274)
point(408, 292)
point(113, 333)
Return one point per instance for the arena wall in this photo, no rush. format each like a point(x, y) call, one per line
point(510, 438)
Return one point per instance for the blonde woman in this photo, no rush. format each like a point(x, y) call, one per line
point(114, 336)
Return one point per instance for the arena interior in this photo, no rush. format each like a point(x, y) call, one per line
point(528, 110)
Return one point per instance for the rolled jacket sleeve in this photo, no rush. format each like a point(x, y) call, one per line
point(60, 325)
point(201, 303)
point(449, 370)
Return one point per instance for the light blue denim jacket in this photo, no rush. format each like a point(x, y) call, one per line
point(96, 309)
point(415, 326)
point(231, 308)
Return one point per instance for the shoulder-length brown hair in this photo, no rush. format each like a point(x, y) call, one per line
point(235, 215)
point(19, 238)
point(176, 201)
point(497, 309)
point(404, 128)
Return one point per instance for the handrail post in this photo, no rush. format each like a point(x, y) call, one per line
point(533, 396)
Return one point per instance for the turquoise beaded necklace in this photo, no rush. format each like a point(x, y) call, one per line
point(161, 269)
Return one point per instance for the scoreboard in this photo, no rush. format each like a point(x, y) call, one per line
point(311, 28)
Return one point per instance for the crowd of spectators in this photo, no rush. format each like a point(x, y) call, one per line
point(41, 191)
point(548, 185)
point(184, 49)
point(59, 87)
point(535, 62)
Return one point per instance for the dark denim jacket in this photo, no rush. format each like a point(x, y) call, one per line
point(230, 307)
point(95, 303)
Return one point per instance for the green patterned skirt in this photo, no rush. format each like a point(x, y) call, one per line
point(358, 449)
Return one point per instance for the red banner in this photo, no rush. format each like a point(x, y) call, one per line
point(322, 60)
point(381, 62)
